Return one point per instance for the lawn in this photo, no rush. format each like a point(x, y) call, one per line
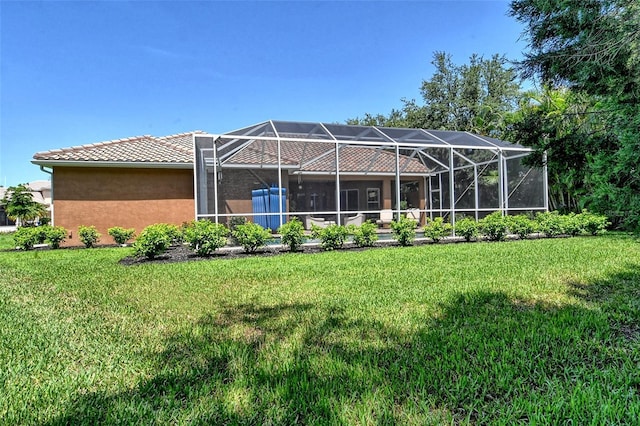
point(540, 331)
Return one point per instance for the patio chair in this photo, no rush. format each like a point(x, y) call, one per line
point(413, 214)
point(386, 217)
point(354, 220)
point(309, 221)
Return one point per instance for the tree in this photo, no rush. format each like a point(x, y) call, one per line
point(472, 97)
point(593, 46)
point(20, 206)
point(567, 126)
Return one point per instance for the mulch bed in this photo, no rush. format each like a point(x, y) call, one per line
point(185, 254)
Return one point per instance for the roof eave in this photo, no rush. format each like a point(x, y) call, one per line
point(114, 164)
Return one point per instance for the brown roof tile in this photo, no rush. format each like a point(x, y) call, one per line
point(138, 149)
point(320, 157)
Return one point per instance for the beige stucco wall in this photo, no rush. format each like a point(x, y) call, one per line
point(127, 197)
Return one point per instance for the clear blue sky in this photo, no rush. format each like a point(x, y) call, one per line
point(77, 72)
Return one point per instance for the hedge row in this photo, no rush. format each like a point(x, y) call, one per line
point(205, 237)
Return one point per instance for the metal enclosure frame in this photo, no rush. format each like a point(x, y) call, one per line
point(468, 163)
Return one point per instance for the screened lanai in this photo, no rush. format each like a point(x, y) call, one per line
point(335, 173)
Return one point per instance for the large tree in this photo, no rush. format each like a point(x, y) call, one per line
point(20, 206)
point(473, 97)
point(593, 46)
point(567, 127)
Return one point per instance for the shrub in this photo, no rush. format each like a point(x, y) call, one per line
point(437, 228)
point(56, 235)
point(152, 241)
point(494, 226)
point(234, 222)
point(467, 228)
point(205, 237)
point(551, 224)
point(88, 235)
point(251, 236)
point(292, 234)
point(404, 231)
point(41, 233)
point(26, 237)
point(592, 223)
point(364, 235)
point(174, 232)
point(332, 237)
point(571, 224)
point(121, 235)
point(521, 225)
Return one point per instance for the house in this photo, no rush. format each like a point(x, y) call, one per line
point(41, 192)
point(274, 170)
point(130, 182)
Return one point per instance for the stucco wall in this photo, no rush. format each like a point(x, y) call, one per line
point(131, 198)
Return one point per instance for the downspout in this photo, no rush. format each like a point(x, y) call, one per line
point(50, 173)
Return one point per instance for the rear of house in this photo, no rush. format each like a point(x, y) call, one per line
point(275, 170)
point(131, 182)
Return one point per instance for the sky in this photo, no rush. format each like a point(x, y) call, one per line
point(80, 72)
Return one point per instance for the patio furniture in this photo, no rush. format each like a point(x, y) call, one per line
point(354, 220)
point(317, 221)
point(413, 214)
point(386, 217)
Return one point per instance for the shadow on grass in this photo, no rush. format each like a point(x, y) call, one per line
point(488, 358)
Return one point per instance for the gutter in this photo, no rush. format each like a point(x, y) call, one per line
point(113, 164)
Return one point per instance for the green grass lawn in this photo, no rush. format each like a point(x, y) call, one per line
point(540, 331)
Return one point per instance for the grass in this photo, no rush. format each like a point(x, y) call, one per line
point(540, 331)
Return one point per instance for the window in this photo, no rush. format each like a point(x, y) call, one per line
point(349, 199)
point(373, 198)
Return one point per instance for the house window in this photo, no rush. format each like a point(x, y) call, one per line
point(373, 198)
point(349, 199)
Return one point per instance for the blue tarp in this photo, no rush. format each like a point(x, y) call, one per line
point(266, 201)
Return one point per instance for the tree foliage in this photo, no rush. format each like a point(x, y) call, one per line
point(473, 97)
point(568, 127)
point(593, 46)
point(20, 206)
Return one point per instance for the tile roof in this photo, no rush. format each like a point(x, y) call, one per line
point(310, 156)
point(320, 157)
point(139, 149)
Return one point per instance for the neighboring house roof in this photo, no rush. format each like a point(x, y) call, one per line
point(40, 190)
point(174, 149)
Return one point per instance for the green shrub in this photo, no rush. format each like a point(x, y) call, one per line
point(251, 236)
point(205, 237)
point(332, 237)
point(592, 223)
point(121, 235)
point(551, 224)
point(174, 232)
point(571, 224)
point(56, 236)
point(521, 225)
point(88, 235)
point(234, 222)
point(364, 235)
point(26, 237)
point(437, 228)
point(494, 226)
point(152, 241)
point(41, 233)
point(467, 228)
point(292, 234)
point(404, 231)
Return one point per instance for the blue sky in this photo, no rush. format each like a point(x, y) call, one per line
point(80, 72)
